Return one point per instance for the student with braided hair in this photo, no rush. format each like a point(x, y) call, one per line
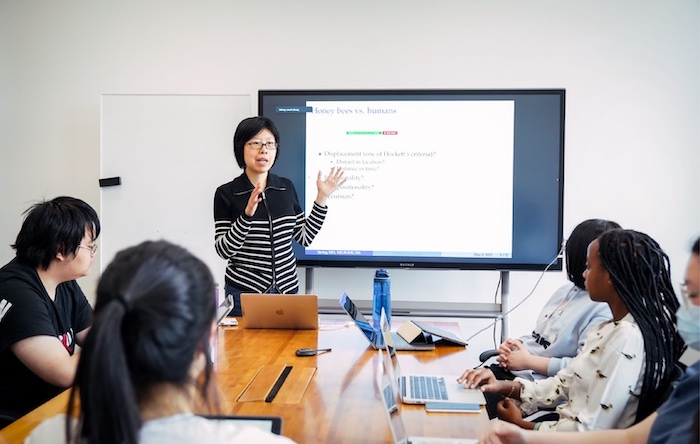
point(677, 419)
point(627, 365)
point(562, 325)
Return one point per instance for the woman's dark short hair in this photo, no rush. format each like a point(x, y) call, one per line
point(52, 227)
point(153, 316)
point(577, 246)
point(246, 130)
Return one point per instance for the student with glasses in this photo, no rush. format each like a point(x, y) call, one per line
point(43, 311)
point(257, 215)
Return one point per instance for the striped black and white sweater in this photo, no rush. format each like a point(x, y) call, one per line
point(245, 242)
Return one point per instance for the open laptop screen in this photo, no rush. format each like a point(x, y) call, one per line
point(280, 311)
point(360, 320)
point(386, 384)
point(265, 423)
point(224, 309)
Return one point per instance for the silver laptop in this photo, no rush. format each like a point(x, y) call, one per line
point(280, 311)
point(421, 389)
point(224, 309)
point(390, 403)
point(374, 337)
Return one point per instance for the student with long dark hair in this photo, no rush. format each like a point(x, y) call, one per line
point(627, 365)
point(562, 325)
point(147, 357)
point(677, 419)
point(43, 311)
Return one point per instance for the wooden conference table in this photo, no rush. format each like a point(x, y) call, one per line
point(340, 404)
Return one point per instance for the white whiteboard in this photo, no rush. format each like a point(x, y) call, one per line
point(171, 153)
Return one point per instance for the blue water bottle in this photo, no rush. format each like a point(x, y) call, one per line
point(382, 297)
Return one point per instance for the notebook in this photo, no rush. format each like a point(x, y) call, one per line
point(374, 337)
point(281, 311)
point(272, 424)
point(412, 329)
point(419, 388)
point(390, 403)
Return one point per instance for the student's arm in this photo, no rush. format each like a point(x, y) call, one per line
point(511, 344)
point(596, 317)
point(514, 355)
point(608, 374)
point(501, 432)
point(80, 336)
point(509, 411)
point(83, 319)
point(46, 357)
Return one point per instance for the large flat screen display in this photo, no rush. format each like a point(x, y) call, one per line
point(460, 179)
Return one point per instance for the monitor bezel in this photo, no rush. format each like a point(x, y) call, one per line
point(555, 261)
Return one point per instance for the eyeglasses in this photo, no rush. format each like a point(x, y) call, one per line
point(687, 294)
point(92, 249)
point(257, 145)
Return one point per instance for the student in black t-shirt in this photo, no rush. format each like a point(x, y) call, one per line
point(43, 311)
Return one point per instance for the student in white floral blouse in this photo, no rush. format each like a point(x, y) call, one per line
point(627, 364)
point(677, 419)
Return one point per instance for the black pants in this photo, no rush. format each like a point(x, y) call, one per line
point(236, 293)
point(492, 399)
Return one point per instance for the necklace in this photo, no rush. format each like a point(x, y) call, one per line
point(569, 297)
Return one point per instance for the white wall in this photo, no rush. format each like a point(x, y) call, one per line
point(631, 69)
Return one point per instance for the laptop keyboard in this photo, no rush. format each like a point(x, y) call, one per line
point(428, 387)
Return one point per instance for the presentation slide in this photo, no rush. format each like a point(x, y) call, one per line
point(424, 177)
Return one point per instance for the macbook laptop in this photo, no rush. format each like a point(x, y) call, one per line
point(390, 403)
point(374, 337)
point(421, 389)
point(280, 311)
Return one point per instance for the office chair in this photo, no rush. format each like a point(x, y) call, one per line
point(488, 354)
point(6, 420)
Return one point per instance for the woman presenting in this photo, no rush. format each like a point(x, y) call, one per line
point(258, 213)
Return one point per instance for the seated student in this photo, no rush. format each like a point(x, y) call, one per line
point(677, 419)
point(146, 361)
point(627, 364)
point(43, 312)
point(562, 325)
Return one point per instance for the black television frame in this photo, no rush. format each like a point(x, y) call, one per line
point(529, 182)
